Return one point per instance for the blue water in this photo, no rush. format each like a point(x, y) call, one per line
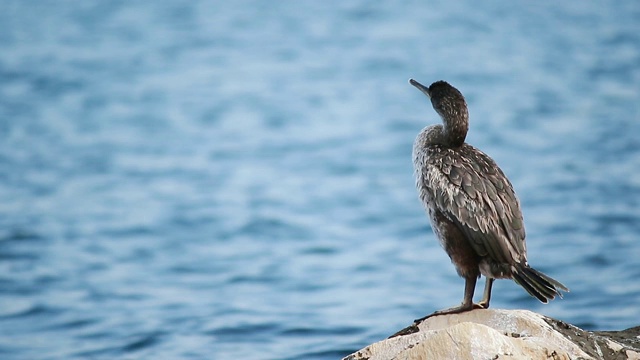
point(223, 180)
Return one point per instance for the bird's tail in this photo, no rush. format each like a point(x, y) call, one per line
point(537, 284)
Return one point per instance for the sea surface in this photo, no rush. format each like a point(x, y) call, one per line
point(233, 180)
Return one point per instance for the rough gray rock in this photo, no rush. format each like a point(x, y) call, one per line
point(501, 334)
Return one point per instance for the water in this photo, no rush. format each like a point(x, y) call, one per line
point(208, 180)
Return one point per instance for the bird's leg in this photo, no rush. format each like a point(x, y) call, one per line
point(467, 303)
point(484, 303)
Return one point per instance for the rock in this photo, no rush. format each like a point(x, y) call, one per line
point(501, 334)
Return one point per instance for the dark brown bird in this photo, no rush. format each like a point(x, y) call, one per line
point(473, 209)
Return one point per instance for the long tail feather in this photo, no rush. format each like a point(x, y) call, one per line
point(537, 284)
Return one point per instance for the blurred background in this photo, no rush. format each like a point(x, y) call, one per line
point(209, 180)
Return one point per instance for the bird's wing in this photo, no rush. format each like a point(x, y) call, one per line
point(471, 190)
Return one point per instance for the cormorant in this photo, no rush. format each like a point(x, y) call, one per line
point(473, 209)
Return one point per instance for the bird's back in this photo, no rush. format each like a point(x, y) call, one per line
point(469, 189)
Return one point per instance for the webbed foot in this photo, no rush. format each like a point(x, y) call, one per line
point(454, 310)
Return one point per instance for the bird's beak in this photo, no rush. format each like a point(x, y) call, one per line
point(420, 87)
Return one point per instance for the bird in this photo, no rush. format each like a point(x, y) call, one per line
point(473, 209)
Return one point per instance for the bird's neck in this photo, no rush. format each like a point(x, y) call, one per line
point(455, 129)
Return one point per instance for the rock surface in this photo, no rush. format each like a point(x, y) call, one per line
point(501, 334)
